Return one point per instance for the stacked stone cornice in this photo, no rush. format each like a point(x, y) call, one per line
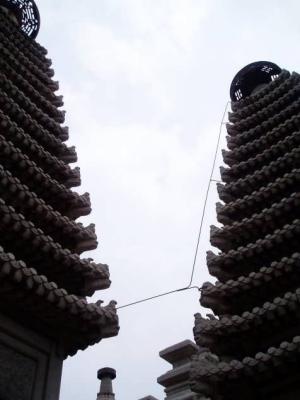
point(44, 280)
point(252, 339)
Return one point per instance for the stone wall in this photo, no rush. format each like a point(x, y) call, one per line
point(30, 367)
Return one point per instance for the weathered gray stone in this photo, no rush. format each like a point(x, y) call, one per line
point(176, 381)
point(106, 376)
point(17, 374)
point(30, 365)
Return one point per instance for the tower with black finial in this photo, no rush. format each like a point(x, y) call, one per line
point(45, 282)
point(253, 339)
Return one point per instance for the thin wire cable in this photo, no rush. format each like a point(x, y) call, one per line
point(206, 197)
point(189, 286)
point(159, 295)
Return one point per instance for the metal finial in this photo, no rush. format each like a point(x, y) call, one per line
point(27, 15)
point(252, 76)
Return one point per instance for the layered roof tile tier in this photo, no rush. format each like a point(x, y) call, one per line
point(252, 339)
point(43, 279)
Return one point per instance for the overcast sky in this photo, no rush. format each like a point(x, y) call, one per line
point(145, 84)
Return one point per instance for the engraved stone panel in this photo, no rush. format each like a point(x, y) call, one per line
point(17, 374)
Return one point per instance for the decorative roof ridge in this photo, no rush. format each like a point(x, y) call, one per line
point(205, 375)
point(46, 90)
point(273, 191)
point(208, 331)
point(261, 143)
point(215, 295)
point(262, 248)
point(269, 123)
point(263, 155)
point(259, 178)
point(44, 216)
point(258, 225)
point(289, 125)
point(41, 62)
point(14, 132)
point(12, 110)
point(24, 60)
point(24, 102)
point(29, 90)
point(57, 260)
point(44, 64)
point(31, 174)
point(284, 101)
point(90, 320)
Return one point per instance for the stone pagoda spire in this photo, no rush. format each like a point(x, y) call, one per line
point(106, 376)
point(253, 338)
point(44, 279)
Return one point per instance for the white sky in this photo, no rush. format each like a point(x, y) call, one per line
point(145, 84)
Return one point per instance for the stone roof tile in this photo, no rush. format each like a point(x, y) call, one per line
point(61, 315)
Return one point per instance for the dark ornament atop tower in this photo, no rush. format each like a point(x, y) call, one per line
point(26, 13)
point(252, 78)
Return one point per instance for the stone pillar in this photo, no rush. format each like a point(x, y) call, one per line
point(176, 381)
point(106, 376)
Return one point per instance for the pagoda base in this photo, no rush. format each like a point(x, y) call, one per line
point(30, 365)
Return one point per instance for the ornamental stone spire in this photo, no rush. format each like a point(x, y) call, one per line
point(106, 376)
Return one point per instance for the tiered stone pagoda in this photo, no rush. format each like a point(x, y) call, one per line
point(253, 341)
point(44, 314)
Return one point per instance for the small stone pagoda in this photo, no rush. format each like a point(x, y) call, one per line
point(44, 281)
point(253, 339)
point(176, 381)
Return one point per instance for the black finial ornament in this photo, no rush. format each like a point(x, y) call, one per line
point(27, 14)
point(251, 78)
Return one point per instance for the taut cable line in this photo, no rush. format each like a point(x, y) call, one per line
point(189, 286)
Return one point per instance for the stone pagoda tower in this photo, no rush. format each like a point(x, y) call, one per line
point(44, 314)
point(251, 347)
